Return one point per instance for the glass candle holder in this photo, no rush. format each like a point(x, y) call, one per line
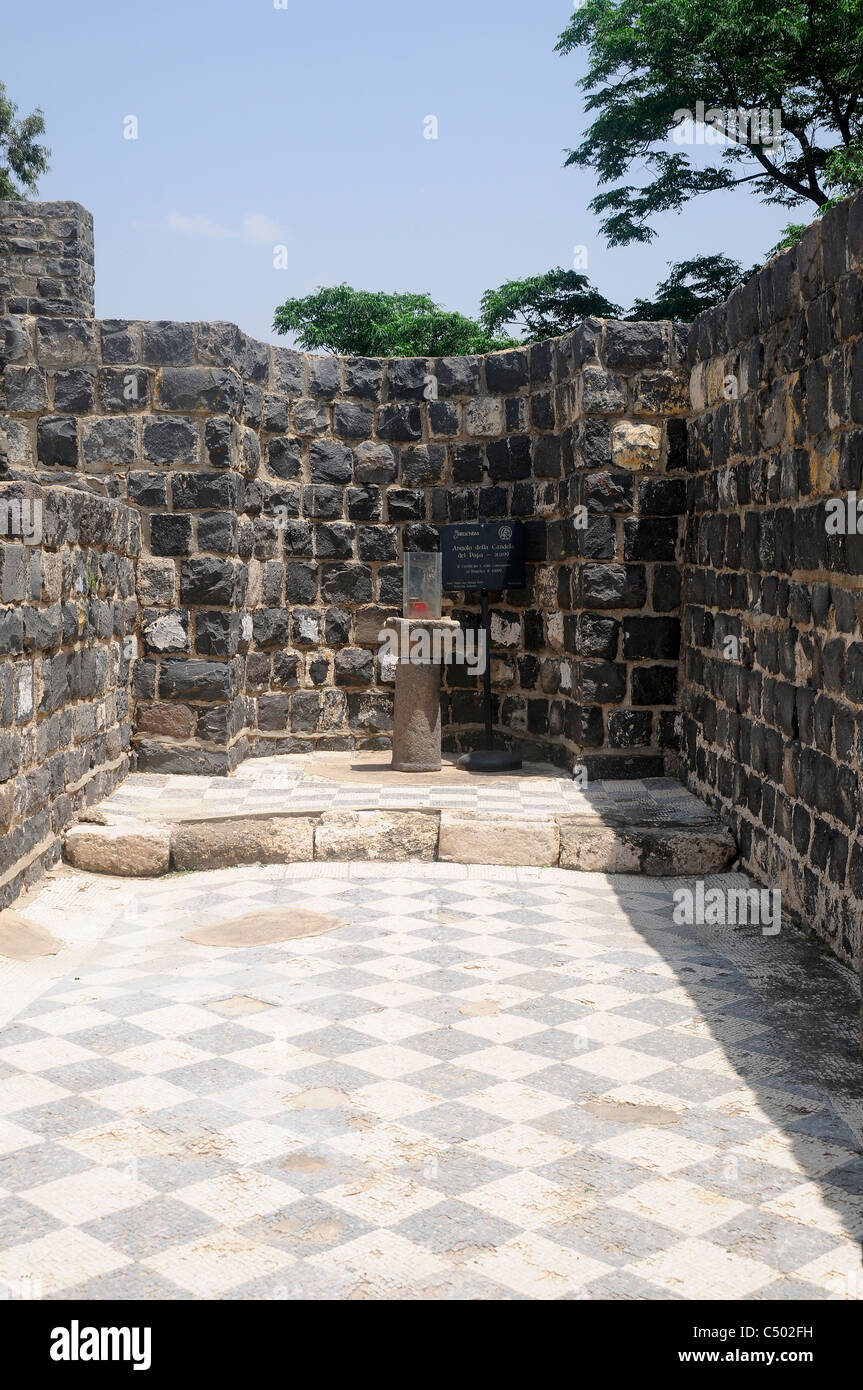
point(422, 584)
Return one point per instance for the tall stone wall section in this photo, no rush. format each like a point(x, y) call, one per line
point(772, 699)
point(237, 515)
point(68, 615)
point(278, 492)
point(46, 259)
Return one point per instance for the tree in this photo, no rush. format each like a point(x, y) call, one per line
point(544, 306)
point(366, 323)
point(651, 64)
point(691, 286)
point(21, 158)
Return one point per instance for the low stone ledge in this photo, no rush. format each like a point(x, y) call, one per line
point(598, 849)
point(473, 838)
point(230, 843)
point(131, 850)
point(705, 850)
point(393, 835)
point(658, 851)
point(581, 842)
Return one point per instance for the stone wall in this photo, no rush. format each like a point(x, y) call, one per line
point(68, 616)
point(279, 491)
point(46, 259)
point(275, 493)
point(772, 699)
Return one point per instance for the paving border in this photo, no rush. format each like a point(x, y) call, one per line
point(595, 843)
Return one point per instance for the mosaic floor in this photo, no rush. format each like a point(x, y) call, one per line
point(352, 781)
point(484, 1084)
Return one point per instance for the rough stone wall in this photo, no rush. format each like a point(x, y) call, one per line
point(773, 718)
point(46, 259)
point(279, 490)
point(68, 615)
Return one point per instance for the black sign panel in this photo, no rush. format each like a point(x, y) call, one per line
point(483, 555)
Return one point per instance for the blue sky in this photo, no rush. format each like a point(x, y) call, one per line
point(303, 127)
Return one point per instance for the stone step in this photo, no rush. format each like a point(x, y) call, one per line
point(612, 842)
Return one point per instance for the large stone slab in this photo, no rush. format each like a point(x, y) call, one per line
point(394, 835)
point(131, 850)
point(228, 843)
point(706, 850)
point(595, 848)
point(660, 851)
point(473, 838)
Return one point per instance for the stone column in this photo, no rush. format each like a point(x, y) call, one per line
point(416, 718)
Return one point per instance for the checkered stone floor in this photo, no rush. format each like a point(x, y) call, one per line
point(353, 781)
point(485, 1084)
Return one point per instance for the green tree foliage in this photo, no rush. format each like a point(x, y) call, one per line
point(651, 59)
point(691, 286)
point(544, 306)
point(366, 323)
point(843, 174)
point(789, 236)
point(22, 159)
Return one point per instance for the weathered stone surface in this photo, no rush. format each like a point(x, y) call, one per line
point(227, 843)
point(21, 939)
point(597, 848)
point(264, 927)
point(131, 850)
point(479, 838)
point(390, 835)
point(679, 851)
point(635, 445)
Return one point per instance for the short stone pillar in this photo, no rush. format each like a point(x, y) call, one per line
point(416, 717)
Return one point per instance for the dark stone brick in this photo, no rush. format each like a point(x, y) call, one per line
point(654, 685)
point(613, 586)
point(199, 491)
point(169, 440)
point(378, 543)
point(399, 423)
point(506, 371)
point(404, 504)
point(346, 584)
point(147, 489)
point(323, 377)
point(365, 503)
point(650, 538)
point(195, 680)
point(218, 531)
point(422, 465)
point(651, 637)
point(354, 666)
point(351, 421)
point(301, 583)
point(324, 503)
point(284, 456)
point(334, 540)
point(207, 580)
point(602, 682)
point(170, 534)
point(634, 345)
point(73, 392)
point(330, 462)
point(57, 441)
